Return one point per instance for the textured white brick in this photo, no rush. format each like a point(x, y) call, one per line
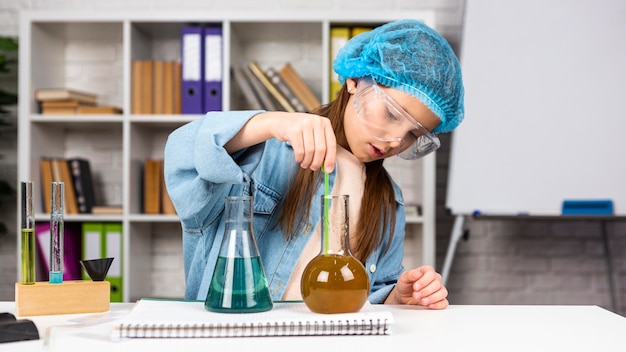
point(577, 297)
point(579, 264)
point(516, 265)
point(517, 297)
point(9, 22)
point(473, 263)
point(303, 5)
point(91, 51)
point(489, 281)
point(167, 267)
point(435, 4)
point(363, 4)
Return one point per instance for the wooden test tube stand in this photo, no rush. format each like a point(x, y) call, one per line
point(69, 297)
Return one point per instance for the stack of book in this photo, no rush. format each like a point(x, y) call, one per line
point(65, 101)
point(273, 89)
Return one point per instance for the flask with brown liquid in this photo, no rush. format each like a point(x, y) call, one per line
point(335, 281)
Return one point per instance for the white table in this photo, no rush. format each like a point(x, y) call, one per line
point(458, 328)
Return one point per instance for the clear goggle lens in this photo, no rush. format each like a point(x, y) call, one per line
point(389, 122)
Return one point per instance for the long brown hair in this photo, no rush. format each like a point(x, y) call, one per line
point(378, 205)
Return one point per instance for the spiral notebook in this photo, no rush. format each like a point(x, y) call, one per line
point(154, 318)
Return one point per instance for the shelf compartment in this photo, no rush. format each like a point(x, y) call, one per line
point(273, 44)
point(85, 56)
point(147, 141)
point(98, 142)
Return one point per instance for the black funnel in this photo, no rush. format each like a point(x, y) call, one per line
point(97, 269)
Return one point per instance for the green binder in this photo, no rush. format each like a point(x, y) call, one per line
point(113, 249)
point(104, 240)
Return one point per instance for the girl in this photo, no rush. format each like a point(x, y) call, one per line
point(401, 85)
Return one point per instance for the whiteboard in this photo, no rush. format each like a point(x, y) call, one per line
point(545, 99)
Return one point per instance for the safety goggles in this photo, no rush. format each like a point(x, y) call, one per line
point(389, 122)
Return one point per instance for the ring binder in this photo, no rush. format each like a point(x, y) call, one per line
point(213, 69)
point(192, 52)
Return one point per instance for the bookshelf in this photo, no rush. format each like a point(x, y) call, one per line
point(94, 52)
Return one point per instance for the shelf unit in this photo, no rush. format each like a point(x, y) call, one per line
point(94, 52)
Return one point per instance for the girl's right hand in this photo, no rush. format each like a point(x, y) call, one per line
point(311, 136)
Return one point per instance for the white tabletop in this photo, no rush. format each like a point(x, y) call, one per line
point(458, 328)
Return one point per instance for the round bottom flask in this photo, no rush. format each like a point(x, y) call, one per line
point(335, 281)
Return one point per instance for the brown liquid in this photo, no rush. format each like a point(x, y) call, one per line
point(334, 284)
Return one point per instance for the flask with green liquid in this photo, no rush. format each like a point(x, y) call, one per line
point(239, 284)
point(335, 281)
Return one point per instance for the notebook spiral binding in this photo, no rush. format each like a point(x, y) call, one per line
point(331, 327)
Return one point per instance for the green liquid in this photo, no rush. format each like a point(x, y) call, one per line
point(238, 285)
point(28, 256)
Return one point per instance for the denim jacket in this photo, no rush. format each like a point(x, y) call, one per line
point(199, 174)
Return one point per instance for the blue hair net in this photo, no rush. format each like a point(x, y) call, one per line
point(409, 56)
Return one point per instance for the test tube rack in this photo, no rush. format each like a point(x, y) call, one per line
point(69, 297)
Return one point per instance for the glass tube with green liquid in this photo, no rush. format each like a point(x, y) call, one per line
point(27, 240)
point(56, 233)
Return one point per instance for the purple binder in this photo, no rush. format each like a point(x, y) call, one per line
point(213, 68)
point(192, 51)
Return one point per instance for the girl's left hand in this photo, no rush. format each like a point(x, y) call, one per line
point(422, 286)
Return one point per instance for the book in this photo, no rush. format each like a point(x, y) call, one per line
point(158, 94)
point(107, 209)
point(82, 183)
point(338, 38)
point(97, 110)
point(177, 88)
point(299, 87)
point(44, 94)
point(253, 102)
point(147, 87)
point(70, 103)
point(271, 88)
point(154, 318)
point(45, 166)
point(264, 96)
point(58, 111)
point(168, 87)
point(151, 187)
point(287, 92)
point(167, 207)
point(136, 87)
point(61, 173)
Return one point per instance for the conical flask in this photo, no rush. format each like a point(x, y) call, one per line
point(335, 281)
point(239, 284)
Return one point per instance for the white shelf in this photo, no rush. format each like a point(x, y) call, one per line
point(94, 51)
